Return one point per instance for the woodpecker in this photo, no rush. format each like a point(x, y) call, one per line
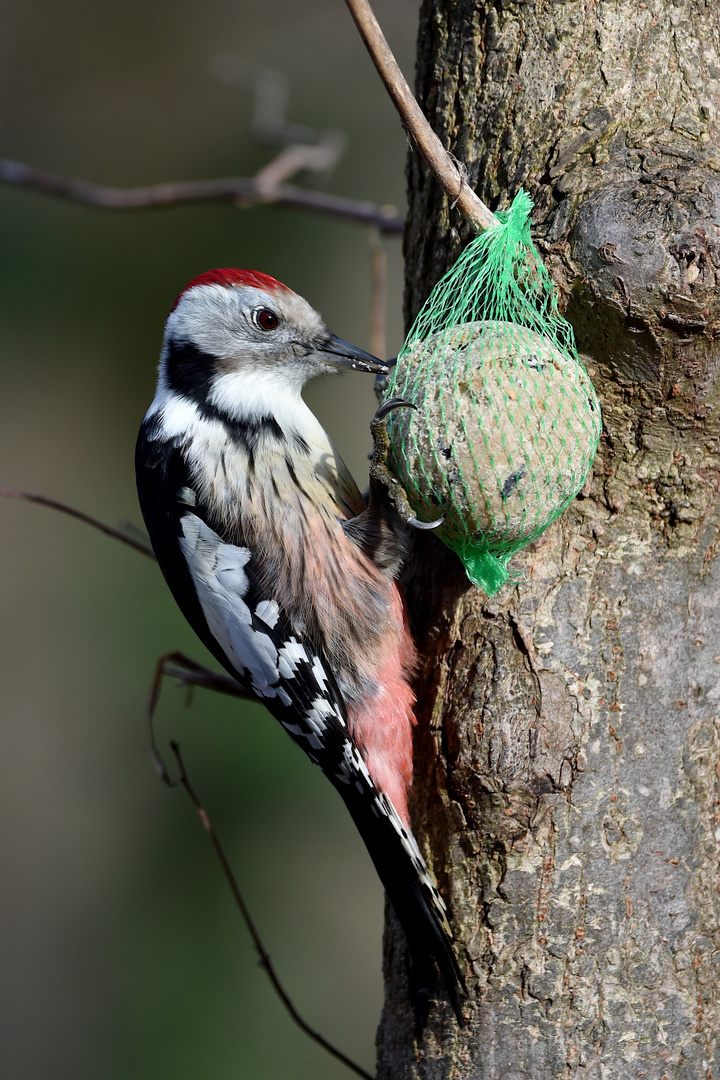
point(282, 569)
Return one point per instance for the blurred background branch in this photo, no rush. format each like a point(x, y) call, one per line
point(304, 150)
point(266, 187)
point(63, 508)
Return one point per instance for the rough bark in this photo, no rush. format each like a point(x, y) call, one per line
point(568, 748)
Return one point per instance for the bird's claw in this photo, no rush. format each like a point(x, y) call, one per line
point(390, 406)
point(415, 523)
point(380, 473)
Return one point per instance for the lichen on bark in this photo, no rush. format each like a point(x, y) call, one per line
point(568, 747)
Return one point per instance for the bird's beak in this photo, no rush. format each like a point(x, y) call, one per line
point(352, 357)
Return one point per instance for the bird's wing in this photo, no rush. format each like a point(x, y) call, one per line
point(217, 586)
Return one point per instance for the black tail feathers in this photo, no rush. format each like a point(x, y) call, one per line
point(430, 952)
point(416, 901)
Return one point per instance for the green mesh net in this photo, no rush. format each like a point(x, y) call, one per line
point(507, 421)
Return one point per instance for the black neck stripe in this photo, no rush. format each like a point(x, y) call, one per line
point(189, 372)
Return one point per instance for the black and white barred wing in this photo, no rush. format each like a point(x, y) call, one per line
point(256, 639)
point(216, 585)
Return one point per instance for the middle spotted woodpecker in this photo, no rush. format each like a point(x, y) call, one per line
point(283, 571)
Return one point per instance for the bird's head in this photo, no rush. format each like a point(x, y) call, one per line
point(234, 336)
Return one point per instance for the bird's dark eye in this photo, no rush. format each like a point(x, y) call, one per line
point(265, 318)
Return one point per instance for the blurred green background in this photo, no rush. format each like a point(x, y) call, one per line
point(122, 952)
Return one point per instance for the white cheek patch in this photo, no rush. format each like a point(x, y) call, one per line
point(254, 392)
point(176, 413)
point(179, 418)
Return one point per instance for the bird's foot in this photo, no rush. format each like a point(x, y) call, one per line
point(379, 472)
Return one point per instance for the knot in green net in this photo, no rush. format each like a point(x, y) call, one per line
point(506, 420)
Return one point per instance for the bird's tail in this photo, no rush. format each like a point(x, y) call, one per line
point(412, 893)
point(314, 715)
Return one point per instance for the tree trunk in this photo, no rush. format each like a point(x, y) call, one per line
point(568, 747)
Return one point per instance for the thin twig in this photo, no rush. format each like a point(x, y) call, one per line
point(191, 674)
point(440, 161)
point(53, 504)
point(239, 190)
point(265, 961)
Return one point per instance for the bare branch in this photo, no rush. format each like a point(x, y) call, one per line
point(178, 666)
point(53, 504)
point(443, 165)
point(265, 961)
point(187, 671)
point(241, 191)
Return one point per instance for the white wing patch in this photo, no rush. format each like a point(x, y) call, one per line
point(218, 572)
point(315, 723)
point(317, 716)
point(268, 611)
point(221, 583)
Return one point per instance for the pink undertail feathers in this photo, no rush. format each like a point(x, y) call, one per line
point(381, 723)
